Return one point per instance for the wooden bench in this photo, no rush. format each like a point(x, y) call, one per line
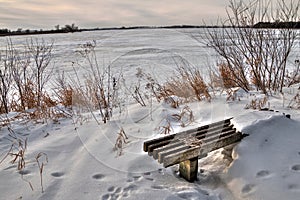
point(185, 148)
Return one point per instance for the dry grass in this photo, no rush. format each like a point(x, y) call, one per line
point(188, 84)
point(295, 101)
point(232, 94)
point(120, 141)
point(185, 117)
point(166, 127)
point(257, 104)
point(17, 151)
point(41, 166)
point(172, 101)
point(227, 75)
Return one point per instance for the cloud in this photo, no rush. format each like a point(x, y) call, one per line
point(98, 13)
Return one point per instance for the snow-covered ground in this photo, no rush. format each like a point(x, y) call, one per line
point(83, 165)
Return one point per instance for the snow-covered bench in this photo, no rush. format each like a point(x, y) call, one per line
point(185, 148)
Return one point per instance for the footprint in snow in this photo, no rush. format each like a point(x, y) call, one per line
point(158, 187)
point(98, 176)
point(161, 171)
point(192, 194)
point(119, 192)
point(106, 197)
point(248, 188)
point(147, 173)
point(24, 172)
point(262, 174)
point(57, 174)
point(149, 179)
point(137, 178)
point(134, 178)
point(111, 189)
point(294, 187)
point(296, 167)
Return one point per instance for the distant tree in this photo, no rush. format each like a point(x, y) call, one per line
point(3, 31)
point(57, 27)
point(71, 28)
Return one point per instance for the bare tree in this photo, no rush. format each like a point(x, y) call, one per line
point(6, 61)
point(41, 53)
point(100, 83)
point(21, 74)
point(254, 55)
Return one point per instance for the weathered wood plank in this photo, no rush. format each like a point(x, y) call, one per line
point(188, 169)
point(170, 137)
point(153, 141)
point(180, 135)
point(178, 142)
point(212, 138)
point(193, 152)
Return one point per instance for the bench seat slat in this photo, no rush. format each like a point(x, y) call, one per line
point(193, 152)
point(177, 142)
point(212, 138)
point(170, 137)
point(174, 137)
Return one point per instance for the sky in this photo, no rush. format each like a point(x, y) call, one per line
point(45, 14)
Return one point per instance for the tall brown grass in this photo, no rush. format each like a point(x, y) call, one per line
point(187, 83)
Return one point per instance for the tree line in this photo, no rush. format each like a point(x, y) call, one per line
point(65, 29)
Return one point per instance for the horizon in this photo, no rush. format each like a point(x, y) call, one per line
point(33, 14)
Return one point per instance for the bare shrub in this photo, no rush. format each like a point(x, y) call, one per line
point(138, 96)
point(24, 74)
point(100, 84)
point(6, 61)
point(41, 53)
point(256, 53)
point(64, 91)
point(293, 77)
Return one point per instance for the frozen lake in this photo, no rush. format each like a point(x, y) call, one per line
point(152, 49)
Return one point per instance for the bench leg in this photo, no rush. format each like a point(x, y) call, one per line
point(188, 169)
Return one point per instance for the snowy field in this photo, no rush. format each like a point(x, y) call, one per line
point(83, 165)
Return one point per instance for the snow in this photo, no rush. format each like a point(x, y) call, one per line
point(83, 165)
point(267, 161)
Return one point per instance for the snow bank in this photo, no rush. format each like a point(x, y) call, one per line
point(267, 162)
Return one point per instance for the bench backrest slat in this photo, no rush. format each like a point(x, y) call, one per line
point(197, 131)
point(178, 157)
point(193, 143)
point(214, 138)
